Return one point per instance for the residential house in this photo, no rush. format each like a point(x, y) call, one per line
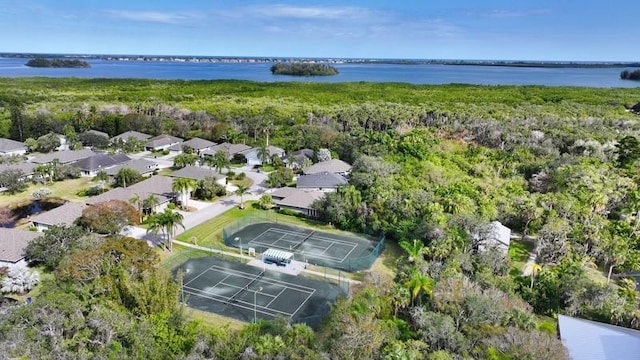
point(586, 339)
point(65, 214)
point(11, 147)
point(300, 156)
point(198, 145)
point(64, 157)
point(25, 167)
point(92, 165)
point(125, 136)
point(12, 245)
point(334, 166)
point(297, 200)
point(161, 142)
point(324, 181)
point(199, 173)
point(229, 149)
point(143, 166)
point(161, 187)
point(253, 158)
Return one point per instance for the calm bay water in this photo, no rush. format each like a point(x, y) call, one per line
point(414, 74)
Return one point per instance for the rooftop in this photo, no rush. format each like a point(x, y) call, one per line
point(7, 145)
point(300, 199)
point(13, 242)
point(196, 173)
point(131, 134)
point(230, 149)
point(65, 214)
point(591, 340)
point(64, 157)
point(162, 140)
point(333, 166)
point(321, 180)
point(99, 161)
point(195, 143)
point(96, 132)
point(142, 166)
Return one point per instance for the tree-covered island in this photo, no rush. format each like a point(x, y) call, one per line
point(630, 75)
point(57, 63)
point(303, 69)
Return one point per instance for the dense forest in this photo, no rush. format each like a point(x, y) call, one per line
point(57, 63)
point(433, 166)
point(303, 69)
point(630, 75)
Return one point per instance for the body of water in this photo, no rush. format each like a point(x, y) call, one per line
point(413, 74)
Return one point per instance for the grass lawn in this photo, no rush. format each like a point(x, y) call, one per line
point(210, 232)
point(387, 262)
point(519, 252)
point(66, 189)
point(213, 320)
point(246, 182)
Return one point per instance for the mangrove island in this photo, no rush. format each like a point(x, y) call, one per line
point(303, 69)
point(630, 75)
point(57, 63)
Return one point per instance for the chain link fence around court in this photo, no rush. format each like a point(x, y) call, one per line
point(350, 263)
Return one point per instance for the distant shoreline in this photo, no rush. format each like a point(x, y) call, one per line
point(240, 59)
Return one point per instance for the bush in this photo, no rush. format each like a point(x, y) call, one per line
point(171, 206)
point(165, 152)
point(231, 174)
point(290, 212)
point(41, 193)
point(241, 176)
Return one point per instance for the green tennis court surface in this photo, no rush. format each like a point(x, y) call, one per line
point(342, 252)
point(245, 292)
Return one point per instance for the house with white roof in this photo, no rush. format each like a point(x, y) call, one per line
point(334, 166)
point(198, 145)
point(324, 181)
point(253, 158)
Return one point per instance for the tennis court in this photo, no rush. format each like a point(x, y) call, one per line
point(316, 247)
point(245, 292)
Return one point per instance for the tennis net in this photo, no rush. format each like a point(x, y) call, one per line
point(245, 288)
point(303, 240)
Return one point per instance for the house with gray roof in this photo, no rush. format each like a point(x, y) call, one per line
point(92, 165)
point(199, 173)
point(64, 157)
point(143, 166)
point(229, 149)
point(334, 166)
point(254, 159)
point(161, 142)
point(125, 136)
point(65, 214)
point(324, 181)
point(197, 144)
point(586, 339)
point(297, 200)
point(161, 187)
point(300, 156)
point(12, 245)
point(11, 147)
point(25, 167)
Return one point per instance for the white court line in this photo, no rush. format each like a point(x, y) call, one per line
point(247, 305)
point(273, 246)
point(319, 237)
point(204, 271)
point(275, 297)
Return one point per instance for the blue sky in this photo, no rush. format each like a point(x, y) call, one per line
point(425, 29)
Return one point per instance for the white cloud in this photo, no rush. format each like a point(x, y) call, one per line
point(312, 12)
point(153, 16)
point(507, 13)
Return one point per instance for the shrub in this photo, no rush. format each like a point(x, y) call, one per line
point(41, 193)
point(241, 176)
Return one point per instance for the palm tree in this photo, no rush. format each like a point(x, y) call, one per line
point(414, 249)
point(150, 202)
point(165, 222)
point(135, 200)
point(221, 161)
point(183, 186)
point(532, 269)
point(242, 189)
point(263, 154)
point(419, 284)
